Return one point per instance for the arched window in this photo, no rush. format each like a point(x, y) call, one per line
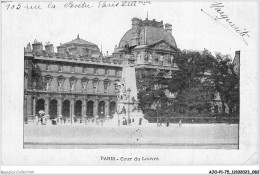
point(112, 108)
point(78, 108)
point(53, 109)
point(90, 106)
point(66, 108)
point(101, 109)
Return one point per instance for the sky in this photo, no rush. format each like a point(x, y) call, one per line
point(191, 28)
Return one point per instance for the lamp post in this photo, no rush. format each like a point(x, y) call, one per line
point(157, 107)
point(71, 114)
point(118, 121)
point(128, 97)
point(25, 107)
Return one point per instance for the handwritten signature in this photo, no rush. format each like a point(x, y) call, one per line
point(222, 16)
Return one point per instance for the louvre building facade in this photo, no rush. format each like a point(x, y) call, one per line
point(79, 81)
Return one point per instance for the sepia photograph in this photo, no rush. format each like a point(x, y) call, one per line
point(103, 81)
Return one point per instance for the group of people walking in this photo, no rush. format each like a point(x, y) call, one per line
point(42, 118)
point(167, 123)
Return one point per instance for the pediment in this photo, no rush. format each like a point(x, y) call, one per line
point(162, 45)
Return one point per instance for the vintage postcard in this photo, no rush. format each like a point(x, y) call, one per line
point(130, 83)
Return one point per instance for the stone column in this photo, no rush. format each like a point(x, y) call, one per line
point(72, 106)
point(25, 109)
point(47, 105)
point(83, 108)
point(59, 107)
point(106, 107)
point(34, 106)
point(95, 111)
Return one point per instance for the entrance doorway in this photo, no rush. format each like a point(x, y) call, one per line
point(40, 105)
point(78, 108)
point(101, 109)
point(90, 106)
point(112, 108)
point(53, 109)
point(66, 108)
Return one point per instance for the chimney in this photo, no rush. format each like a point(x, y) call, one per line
point(61, 49)
point(237, 53)
point(49, 48)
point(135, 31)
point(135, 23)
point(236, 62)
point(168, 28)
point(37, 46)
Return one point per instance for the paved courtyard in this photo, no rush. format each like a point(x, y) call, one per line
point(149, 136)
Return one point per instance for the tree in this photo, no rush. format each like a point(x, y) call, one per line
point(199, 78)
point(226, 82)
point(192, 83)
point(151, 92)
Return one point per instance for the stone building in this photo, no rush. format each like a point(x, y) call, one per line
point(152, 45)
point(79, 81)
point(76, 81)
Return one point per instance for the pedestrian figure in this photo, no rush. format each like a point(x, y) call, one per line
point(60, 119)
point(140, 121)
point(43, 120)
point(160, 123)
point(167, 123)
point(36, 119)
point(179, 123)
point(96, 119)
point(85, 119)
point(74, 119)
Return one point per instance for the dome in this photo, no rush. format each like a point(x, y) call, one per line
point(153, 34)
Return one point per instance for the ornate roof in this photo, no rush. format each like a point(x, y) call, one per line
point(79, 41)
point(152, 33)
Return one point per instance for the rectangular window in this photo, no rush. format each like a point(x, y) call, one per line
point(26, 63)
point(60, 84)
point(117, 72)
point(106, 72)
point(47, 67)
point(106, 87)
point(146, 58)
point(95, 71)
point(156, 60)
point(84, 86)
point(60, 68)
point(84, 70)
point(72, 69)
point(95, 86)
point(72, 86)
point(169, 60)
